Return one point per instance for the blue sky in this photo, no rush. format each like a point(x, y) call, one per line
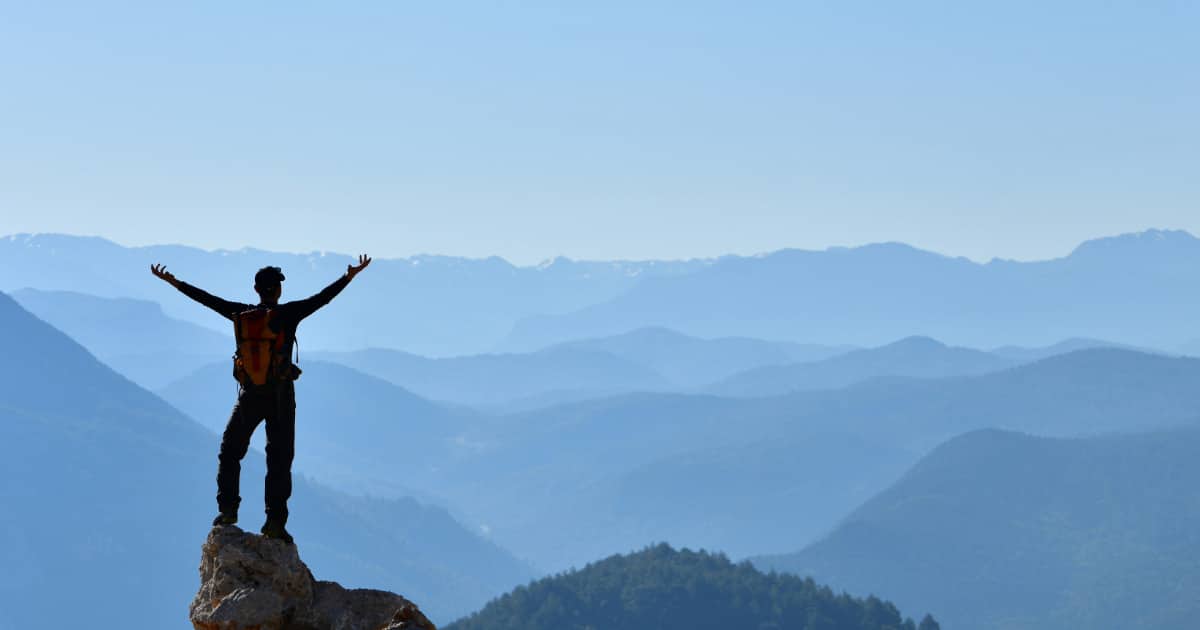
point(615, 130)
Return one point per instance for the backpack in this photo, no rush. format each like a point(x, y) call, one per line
point(260, 357)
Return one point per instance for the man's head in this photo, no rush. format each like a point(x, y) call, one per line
point(268, 284)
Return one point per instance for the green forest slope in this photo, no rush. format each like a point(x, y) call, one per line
point(666, 589)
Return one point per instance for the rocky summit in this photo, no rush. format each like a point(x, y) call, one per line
point(249, 582)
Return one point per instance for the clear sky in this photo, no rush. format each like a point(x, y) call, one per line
point(612, 130)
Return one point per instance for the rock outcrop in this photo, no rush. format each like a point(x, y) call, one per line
point(249, 582)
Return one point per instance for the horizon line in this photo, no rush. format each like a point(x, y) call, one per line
point(547, 262)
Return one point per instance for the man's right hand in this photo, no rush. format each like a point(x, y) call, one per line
point(353, 270)
point(161, 272)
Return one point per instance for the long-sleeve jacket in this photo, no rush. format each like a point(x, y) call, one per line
point(285, 318)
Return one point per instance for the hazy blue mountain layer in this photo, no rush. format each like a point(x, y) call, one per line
point(107, 493)
point(1128, 289)
point(739, 498)
point(134, 337)
point(138, 340)
point(666, 589)
point(501, 380)
point(918, 357)
point(690, 362)
point(653, 359)
point(432, 305)
point(1001, 530)
point(1026, 354)
point(568, 484)
point(351, 428)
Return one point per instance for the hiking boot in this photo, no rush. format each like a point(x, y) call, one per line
point(275, 529)
point(225, 518)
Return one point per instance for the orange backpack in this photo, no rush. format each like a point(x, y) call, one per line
point(260, 357)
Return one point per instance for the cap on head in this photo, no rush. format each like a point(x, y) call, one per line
point(268, 276)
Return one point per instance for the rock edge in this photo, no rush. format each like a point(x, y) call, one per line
point(249, 582)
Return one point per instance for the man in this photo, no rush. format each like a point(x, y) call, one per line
point(266, 334)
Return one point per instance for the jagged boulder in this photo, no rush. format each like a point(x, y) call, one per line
point(249, 582)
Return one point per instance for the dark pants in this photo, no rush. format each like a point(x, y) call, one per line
point(277, 405)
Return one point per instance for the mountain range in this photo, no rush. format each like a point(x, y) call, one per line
point(1128, 289)
point(1027, 354)
point(996, 530)
point(638, 405)
point(689, 362)
point(917, 357)
point(566, 484)
point(525, 480)
point(143, 343)
point(107, 495)
point(651, 359)
point(432, 305)
point(504, 381)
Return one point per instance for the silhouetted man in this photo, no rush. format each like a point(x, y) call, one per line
point(265, 334)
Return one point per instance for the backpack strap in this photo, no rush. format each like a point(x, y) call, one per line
point(237, 333)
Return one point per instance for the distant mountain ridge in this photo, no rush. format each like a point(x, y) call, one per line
point(500, 380)
point(1002, 530)
point(914, 357)
point(1029, 354)
point(143, 343)
point(1127, 288)
point(690, 362)
point(655, 359)
point(433, 305)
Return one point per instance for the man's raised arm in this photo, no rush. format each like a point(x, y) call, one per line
point(225, 308)
point(309, 305)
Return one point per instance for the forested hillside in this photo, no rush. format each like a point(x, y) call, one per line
point(661, 588)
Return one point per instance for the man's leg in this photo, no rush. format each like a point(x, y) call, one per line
point(281, 448)
point(234, 442)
